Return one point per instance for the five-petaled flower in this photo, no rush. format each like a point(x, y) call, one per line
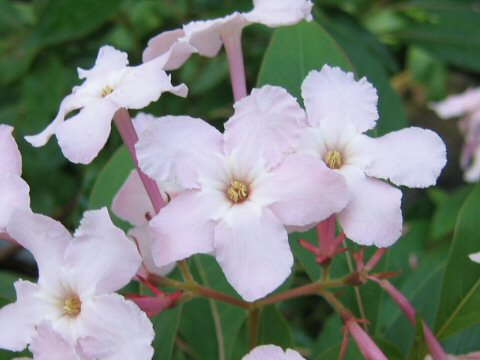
point(75, 289)
point(242, 189)
point(339, 111)
point(109, 86)
point(14, 191)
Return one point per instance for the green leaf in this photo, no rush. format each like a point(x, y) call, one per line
point(460, 294)
point(166, 327)
point(296, 50)
point(274, 328)
point(7, 279)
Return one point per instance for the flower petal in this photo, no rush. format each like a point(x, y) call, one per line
point(333, 96)
point(101, 257)
point(49, 345)
point(175, 148)
point(458, 105)
point(83, 136)
point(132, 203)
point(301, 200)
point(206, 35)
point(413, 157)
point(167, 44)
point(475, 257)
point(186, 226)
point(108, 60)
point(275, 13)
point(472, 172)
point(116, 329)
point(251, 246)
point(18, 320)
point(266, 124)
point(10, 157)
point(14, 194)
point(270, 352)
point(373, 215)
point(143, 84)
point(45, 238)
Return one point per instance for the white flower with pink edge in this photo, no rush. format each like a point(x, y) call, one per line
point(75, 289)
point(242, 189)
point(339, 110)
point(109, 86)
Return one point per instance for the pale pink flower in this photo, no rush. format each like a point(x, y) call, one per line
point(207, 36)
point(75, 289)
point(109, 86)
point(132, 204)
point(475, 257)
point(466, 106)
point(14, 191)
point(339, 110)
point(272, 352)
point(242, 189)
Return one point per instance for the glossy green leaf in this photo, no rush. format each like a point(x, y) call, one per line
point(460, 294)
point(296, 50)
point(166, 327)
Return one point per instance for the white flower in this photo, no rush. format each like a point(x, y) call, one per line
point(475, 257)
point(109, 86)
point(206, 37)
point(339, 111)
point(14, 191)
point(272, 352)
point(75, 289)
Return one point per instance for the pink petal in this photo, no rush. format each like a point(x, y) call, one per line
point(206, 35)
point(333, 97)
point(167, 44)
point(10, 157)
point(108, 60)
point(475, 257)
point(45, 238)
point(272, 352)
point(143, 84)
point(132, 203)
point(176, 148)
point(251, 246)
point(458, 105)
point(413, 157)
point(101, 258)
point(267, 124)
point(18, 320)
point(301, 200)
point(472, 172)
point(116, 329)
point(186, 226)
point(14, 194)
point(373, 215)
point(49, 345)
point(275, 13)
point(83, 136)
point(145, 236)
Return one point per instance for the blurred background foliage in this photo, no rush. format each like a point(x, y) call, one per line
point(415, 52)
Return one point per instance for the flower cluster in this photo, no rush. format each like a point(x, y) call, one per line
point(236, 195)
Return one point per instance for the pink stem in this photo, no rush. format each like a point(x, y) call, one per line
point(127, 132)
point(367, 346)
point(436, 350)
point(233, 48)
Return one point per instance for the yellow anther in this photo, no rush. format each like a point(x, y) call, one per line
point(333, 159)
point(107, 90)
point(72, 306)
point(238, 191)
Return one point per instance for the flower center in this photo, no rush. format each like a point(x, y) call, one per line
point(72, 306)
point(238, 191)
point(107, 90)
point(333, 159)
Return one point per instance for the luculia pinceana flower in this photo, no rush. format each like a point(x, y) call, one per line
point(340, 110)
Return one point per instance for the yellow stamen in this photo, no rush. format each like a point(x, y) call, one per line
point(72, 306)
point(333, 159)
point(107, 90)
point(238, 191)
